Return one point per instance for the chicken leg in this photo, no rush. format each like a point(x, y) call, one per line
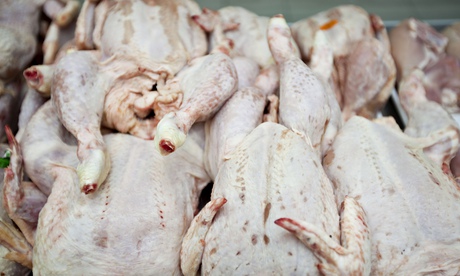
point(78, 93)
point(207, 83)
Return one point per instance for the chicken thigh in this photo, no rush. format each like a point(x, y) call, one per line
point(304, 103)
point(410, 203)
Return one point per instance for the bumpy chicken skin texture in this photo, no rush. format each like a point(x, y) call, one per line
point(108, 232)
point(408, 199)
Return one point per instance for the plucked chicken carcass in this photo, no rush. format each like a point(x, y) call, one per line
point(251, 192)
point(414, 45)
point(130, 82)
point(119, 236)
point(108, 232)
point(410, 203)
point(363, 72)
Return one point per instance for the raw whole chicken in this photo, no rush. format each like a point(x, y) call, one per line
point(129, 83)
point(243, 238)
point(251, 192)
point(410, 203)
point(452, 33)
point(119, 237)
point(107, 232)
point(414, 45)
point(363, 69)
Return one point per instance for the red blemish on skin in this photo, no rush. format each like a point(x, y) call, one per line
point(89, 188)
point(167, 146)
point(328, 25)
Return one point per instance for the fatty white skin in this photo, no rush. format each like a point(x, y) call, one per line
point(133, 224)
point(411, 205)
point(287, 181)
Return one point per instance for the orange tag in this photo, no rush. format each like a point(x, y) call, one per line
point(328, 25)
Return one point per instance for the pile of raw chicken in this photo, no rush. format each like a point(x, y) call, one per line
point(119, 113)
